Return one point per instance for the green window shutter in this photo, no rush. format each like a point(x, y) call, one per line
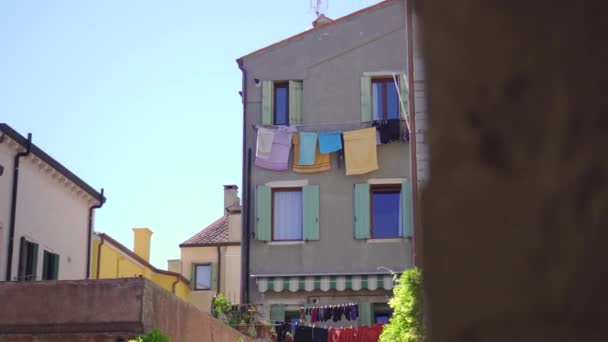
point(361, 211)
point(366, 314)
point(310, 204)
point(193, 277)
point(267, 102)
point(295, 102)
point(22, 259)
point(45, 265)
point(406, 209)
point(262, 213)
point(214, 271)
point(403, 90)
point(277, 312)
point(56, 267)
point(34, 261)
point(366, 99)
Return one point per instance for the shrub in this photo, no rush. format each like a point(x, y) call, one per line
point(406, 324)
point(153, 335)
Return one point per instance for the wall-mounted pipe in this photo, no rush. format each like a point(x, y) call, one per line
point(11, 234)
point(219, 269)
point(99, 256)
point(90, 232)
point(246, 172)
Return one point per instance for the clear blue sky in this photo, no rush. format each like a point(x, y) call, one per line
point(141, 97)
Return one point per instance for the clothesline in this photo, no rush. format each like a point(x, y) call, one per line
point(311, 126)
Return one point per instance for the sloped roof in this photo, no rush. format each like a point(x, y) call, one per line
point(137, 258)
point(38, 152)
point(336, 21)
point(215, 234)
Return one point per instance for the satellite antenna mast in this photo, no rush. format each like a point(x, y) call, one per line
point(319, 6)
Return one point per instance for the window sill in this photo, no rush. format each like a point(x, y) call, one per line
point(284, 243)
point(199, 290)
point(400, 239)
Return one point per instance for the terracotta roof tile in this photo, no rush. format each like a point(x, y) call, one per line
point(214, 234)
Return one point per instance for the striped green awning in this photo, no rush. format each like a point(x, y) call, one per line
point(325, 283)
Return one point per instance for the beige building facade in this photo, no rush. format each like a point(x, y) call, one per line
point(211, 259)
point(46, 214)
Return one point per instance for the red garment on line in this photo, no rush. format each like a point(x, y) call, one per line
point(361, 334)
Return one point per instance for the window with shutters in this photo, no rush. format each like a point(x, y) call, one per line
point(281, 102)
point(202, 277)
point(382, 211)
point(386, 211)
point(28, 260)
point(50, 268)
point(286, 214)
point(385, 99)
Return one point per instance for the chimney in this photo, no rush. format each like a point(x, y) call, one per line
point(231, 197)
point(321, 20)
point(141, 242)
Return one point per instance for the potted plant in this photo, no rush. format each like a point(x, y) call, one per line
point(273, 334)
point(243, 327)
point(288, 337)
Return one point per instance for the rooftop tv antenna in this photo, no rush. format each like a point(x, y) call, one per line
point(319, 6)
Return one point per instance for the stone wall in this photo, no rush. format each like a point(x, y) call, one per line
point(101, 310)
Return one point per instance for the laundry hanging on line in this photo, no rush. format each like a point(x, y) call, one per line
point(308, 148)
point(330, 142)
point(264, 142)
point(322, 161)
point(278, 158)
point(360, 149)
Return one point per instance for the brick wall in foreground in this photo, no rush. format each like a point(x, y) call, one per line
point(109, 310)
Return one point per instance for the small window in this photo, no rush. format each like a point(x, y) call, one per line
point(50, 268)
point(281, 103)
point(202, 277)
point(386, 211)
point(287, 214)
point(385, 99)
point(28, 260)
point(382, 313)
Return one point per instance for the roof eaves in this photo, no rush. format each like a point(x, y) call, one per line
point(314, 29)
point(21, 140)
point(213, 244)
point(139, 259)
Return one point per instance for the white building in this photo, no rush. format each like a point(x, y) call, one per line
point(46, 214)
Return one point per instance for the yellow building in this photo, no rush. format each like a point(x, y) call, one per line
point(111, 259)
point(211, 259)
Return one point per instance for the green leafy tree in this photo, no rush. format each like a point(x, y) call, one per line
point(406, 324)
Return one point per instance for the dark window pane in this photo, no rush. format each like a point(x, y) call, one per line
point(281, 112)
point(383, 318)
point(386, 209)
point(392, 101)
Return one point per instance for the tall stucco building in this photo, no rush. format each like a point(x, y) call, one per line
point(46, 214)
point(329, 233)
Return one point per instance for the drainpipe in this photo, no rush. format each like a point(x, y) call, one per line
point(417, 240)
point(11, 234)
point(90, 233)
point(219, 270)
point(173, 285)
point(246, 179)
point(99, 255)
